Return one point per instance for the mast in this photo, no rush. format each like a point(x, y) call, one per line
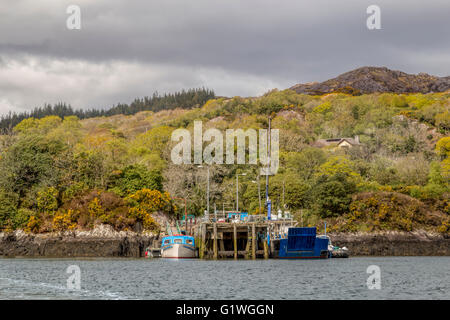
point(268, 202)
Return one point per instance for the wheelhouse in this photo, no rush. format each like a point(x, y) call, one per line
point(178, 239)
point(242, 216)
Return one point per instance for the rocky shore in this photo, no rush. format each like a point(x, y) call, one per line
point(103, 241)
point(393, 243)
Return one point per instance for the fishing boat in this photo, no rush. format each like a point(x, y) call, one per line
point(178, 246)
point(304, 243)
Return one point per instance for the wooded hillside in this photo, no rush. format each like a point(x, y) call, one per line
point(62, 173)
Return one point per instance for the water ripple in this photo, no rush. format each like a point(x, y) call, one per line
point(401, 278)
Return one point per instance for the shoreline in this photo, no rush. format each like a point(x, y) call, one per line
point(103, 242)
point(394, 243)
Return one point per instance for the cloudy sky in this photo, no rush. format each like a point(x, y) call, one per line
point(128, 49)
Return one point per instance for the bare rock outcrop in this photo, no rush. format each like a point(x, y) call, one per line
point(375, 79)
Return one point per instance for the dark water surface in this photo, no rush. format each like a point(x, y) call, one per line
point(401, 278)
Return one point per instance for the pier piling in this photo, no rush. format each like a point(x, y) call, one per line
point(237, 239)
point(253, 242)
point(266, 249)
point(215, 241)
point(247, 246)
point(203, 241)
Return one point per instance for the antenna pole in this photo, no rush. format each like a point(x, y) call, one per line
point(268, 202)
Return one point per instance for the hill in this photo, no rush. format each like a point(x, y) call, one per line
point(66, 173)
point(374, 79)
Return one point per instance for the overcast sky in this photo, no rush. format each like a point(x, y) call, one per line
point(128, 49)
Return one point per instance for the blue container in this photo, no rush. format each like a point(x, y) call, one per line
point(303, 243)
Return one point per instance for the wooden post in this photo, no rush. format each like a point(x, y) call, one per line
point(215, 241)
point(198, 241)
point(221, 245)
point(272, 247)
point(235, 240)
point(203, 241)
point(266, 247)
point(247, 246)
point(253, 242)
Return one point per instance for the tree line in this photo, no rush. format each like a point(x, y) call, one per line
point(184, 99)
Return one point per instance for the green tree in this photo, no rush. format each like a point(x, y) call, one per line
point(47, 200)
point(89, 167)
point(338, 164)
point(20, 220)
point(133, 178)
point(8, 207)
point(30, 161)
point(305, 163)
point(331, 195)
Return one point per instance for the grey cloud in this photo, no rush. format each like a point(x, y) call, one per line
point(266, 42)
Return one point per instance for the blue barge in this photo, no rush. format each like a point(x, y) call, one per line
point(304, 243)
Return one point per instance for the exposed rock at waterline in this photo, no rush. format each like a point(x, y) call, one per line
point(102, 241)
point(393, 243)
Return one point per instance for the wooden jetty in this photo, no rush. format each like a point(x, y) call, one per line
point(239, 239)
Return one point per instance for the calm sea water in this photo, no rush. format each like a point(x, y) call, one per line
point(401, 278)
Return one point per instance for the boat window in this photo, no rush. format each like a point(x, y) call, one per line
point(189, 241)
point(178, 241)
point(166, 241)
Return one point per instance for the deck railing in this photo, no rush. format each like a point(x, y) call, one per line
point(230, 217)
point(221, 217)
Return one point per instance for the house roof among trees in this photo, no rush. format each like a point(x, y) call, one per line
point(337, 141)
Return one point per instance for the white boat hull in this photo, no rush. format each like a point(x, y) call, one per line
point(178, 251)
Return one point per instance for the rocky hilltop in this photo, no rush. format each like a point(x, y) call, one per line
point(376, 79)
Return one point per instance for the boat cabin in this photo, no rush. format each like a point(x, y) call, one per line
point(241, 216)
point(177, 239)
point(190, 218)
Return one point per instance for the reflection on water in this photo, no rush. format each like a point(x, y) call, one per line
point(401, 278)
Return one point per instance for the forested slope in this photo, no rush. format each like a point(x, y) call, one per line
point(61, 173)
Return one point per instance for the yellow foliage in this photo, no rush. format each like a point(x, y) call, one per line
point(33, 224)
point(44, 125)
point(96, 142)
point(323, 108)
point(151, 200)
point(95, 208)
point(47, 199)
point(443, 147)
point(384, 211)
point(445, 227)
point(338, 164)
point(149, 223)
point(144, 202)
point(26, 124)
point(64, 221)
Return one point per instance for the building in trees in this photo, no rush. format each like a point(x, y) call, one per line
point(335, 143)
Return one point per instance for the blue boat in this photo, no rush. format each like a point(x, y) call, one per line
point(178, 246)
point(303, 243)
